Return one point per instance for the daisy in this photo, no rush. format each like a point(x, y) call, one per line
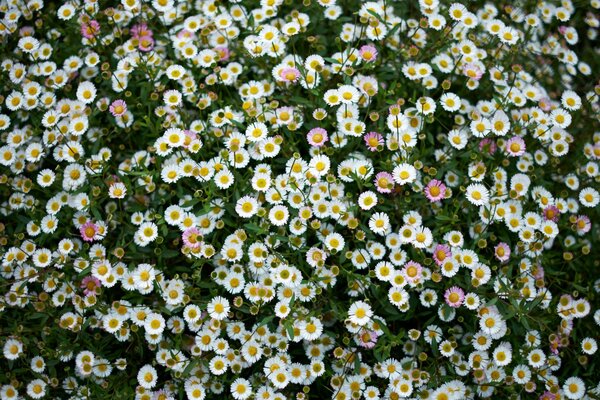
point(192, 238)
point(502, 252)
point(571, 100)
point(90, 284)
point(473, 71)
point(404, 173)
point(224, 179)
point(574, 388)
point(241, 389)
point(154, 324)
point(367, 200)
point(384, 182)
point(256, 132)
point(374, 141)
point(279, 215)
point(36, 389)
point(441, 253)
point(478, 194)
point(360, 313)
point(317, 137)
point(589, 345)
point(454, 296)
point(147, 377)
point(12, 349)
point(435, 190)
point(348, 94)
point(412, 271)
point(551, 213)
point(90, 29)
point(334, 242)
point(289, 74)
point(86, 92)
point(218, 308)
point(515, 146)
point(582, 224)
point(450, 102)
point(148, 231)
point(426, 105)
point(589, 197)
point(457, 138)
point(490, 323)
point(368, 53)
point(117, 190)
point(379, 223)
point(422, 237)
point(118, 108)
point(246, 206)
point(508, 35)
point(88, 231)
point(310, 329)
point(560, 118)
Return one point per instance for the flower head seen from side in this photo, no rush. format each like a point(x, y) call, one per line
point(90, 29)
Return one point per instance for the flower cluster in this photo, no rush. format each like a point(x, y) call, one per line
point(279, 199)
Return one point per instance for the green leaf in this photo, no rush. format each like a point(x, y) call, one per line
point(290, 330)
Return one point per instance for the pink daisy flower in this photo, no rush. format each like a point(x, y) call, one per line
point(191, 237)
point(583, 224)
point(91, 29)
point(140, 30)
point(555, 345)
point(89, 284)
point(435, 190)
point(184, 33)
point(88, 231)
point(551, 213)
point(368, 338)
point(515, 146)
point(289, 74)
point(146, 43)
point(189, 136)
point(488, 145)
point(531, 388)
point(502, 252)
point(454, 296)
point(545, 104)
point(317, 137)
point(368, 53)
point(223, 53)
point(547, 396)
point(441, 253)
point(118, 108)
point(373, 140)
point(382, 181)
point(539, 272)
point(412, 271)
point(472, 71)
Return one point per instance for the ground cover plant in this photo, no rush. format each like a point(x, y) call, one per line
point(284, 199)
